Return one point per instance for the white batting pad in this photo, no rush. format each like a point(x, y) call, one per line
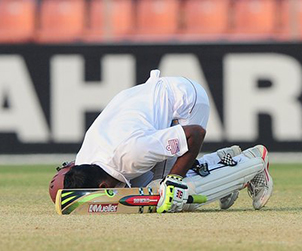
point(223, 180)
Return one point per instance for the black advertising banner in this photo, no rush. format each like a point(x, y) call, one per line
point(49, 95)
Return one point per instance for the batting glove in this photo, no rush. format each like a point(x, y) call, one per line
point(173, 194)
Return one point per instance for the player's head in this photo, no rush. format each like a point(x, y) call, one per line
point(70, 175)
point(85, 176)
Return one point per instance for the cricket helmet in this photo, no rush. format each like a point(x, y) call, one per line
point(57, 181)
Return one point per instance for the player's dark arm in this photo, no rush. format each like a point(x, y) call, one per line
point(195, 135)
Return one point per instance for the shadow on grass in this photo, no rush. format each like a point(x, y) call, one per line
point(279, 209)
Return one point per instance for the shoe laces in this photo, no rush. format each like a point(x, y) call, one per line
point(257, 184)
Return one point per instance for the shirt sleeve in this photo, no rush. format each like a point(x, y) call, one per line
point(169, 142)
point(142, 152)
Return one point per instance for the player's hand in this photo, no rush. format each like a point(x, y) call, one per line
point(173, 194)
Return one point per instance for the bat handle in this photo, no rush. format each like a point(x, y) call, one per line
point(197, 198)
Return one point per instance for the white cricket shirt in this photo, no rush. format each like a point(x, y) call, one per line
point(134, 131)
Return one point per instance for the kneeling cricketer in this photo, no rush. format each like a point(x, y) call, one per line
point(150, 136)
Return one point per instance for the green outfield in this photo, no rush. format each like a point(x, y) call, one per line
point(28, 220)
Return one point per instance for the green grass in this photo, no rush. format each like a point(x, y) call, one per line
point(28, 220)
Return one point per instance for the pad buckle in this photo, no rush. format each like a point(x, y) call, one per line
point(227, 160)
point(201, 169)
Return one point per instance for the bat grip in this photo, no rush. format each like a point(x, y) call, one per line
point(197, 199)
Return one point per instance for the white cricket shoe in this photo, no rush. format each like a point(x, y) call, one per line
point(229, 200)
point(260, 188)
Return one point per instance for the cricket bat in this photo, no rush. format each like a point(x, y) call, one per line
point(111, 200)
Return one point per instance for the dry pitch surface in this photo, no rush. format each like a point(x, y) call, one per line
point(28, 220)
